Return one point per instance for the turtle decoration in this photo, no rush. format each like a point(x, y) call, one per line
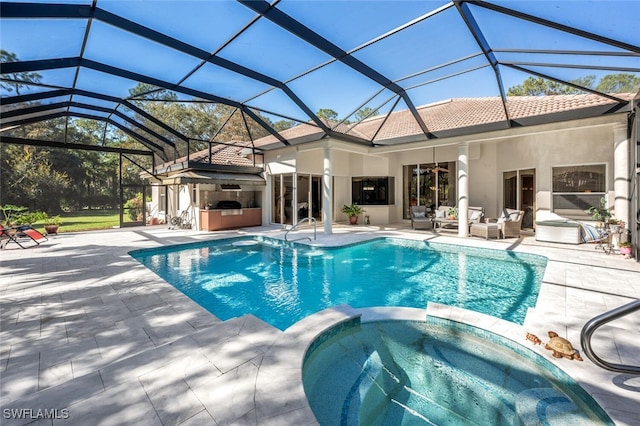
point(560, 346)
point(533, 338)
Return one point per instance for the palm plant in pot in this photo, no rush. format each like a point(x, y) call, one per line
point(452, 213)
point(51, 224)
point(352, 211)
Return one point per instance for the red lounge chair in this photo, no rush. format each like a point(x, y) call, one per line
point(7, 235)
point(13, 234)
point(34, 234)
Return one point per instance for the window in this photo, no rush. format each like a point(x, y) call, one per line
point(576, 188)
point(373, 190)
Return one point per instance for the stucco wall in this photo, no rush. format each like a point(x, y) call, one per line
point(490, 154)
point(484, 179)
point(561, 148)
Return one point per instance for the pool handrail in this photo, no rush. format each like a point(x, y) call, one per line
point(310, 219)
point(596, 322)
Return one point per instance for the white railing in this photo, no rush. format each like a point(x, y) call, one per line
point(310, 219)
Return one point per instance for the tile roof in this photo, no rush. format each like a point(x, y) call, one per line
point(451, 114)
point(220, 155)
point(457, 113)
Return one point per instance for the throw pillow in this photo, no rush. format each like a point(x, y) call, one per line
point(419, 215)
point(440, 213)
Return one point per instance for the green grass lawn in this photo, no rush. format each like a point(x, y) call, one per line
point(87, 220)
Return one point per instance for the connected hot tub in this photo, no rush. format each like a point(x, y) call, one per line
point(437, 372)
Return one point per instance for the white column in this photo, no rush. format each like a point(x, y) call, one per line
point(327, 206)
point(463, 189)
point(621, 182)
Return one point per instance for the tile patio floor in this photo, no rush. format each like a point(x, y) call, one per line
point(89, 332)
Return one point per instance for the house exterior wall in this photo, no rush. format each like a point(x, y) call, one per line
point(484, 179)
point(546, 150)
point(578, 142)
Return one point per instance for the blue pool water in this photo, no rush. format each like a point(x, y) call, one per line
point(282, 283)
point(437, 373)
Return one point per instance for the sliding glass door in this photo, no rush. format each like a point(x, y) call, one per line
point(430, 185)
point(519, 193)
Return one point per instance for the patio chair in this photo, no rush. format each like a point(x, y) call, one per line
point(8, 235)
point(15, 233)
point(34, 234)
point(510, 222)
point(420, 217)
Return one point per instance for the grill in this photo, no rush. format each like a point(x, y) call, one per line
point(228, 204)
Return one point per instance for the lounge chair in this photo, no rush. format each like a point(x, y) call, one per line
point(34, 234)
point(15, 233)
point(420, 217)
point(8, 235)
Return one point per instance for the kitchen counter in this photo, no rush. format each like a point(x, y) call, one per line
point(217, 219)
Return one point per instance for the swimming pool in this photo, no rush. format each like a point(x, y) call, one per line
point(437, 372)
point(282, 282)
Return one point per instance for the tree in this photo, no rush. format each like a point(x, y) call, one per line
point(19, 78)
point(365, 112)
point(201, 121)
point(541, 87)
point(327, 114)
point(281, 125)
point(619, 83)
point(30, 180)
point(611, 83)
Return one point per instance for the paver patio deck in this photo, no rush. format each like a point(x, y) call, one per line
point(88, 331)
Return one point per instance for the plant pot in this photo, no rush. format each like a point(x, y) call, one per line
point(353, 220)
point(625, 250)
point(51, 229)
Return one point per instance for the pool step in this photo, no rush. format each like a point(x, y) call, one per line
point(379, 397)
point(546, 406)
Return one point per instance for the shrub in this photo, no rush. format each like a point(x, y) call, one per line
point(134, 207)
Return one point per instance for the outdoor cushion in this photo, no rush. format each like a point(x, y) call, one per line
point(419, 215)
point(590, 233)
point(475, 215)
point(440, 214)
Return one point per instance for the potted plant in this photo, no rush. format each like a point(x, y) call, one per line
point(625, 247)
point(601, 213)
point(452, 212)
point(352, 211)
point(615, 224)
point(51, 224)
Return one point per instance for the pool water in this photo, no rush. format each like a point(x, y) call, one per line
point(282, 283)
point(440, 373)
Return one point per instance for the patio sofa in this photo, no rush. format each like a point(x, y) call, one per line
point(476, 215)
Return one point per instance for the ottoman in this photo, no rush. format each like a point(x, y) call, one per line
point(486, 230)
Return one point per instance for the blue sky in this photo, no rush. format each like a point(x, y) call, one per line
point(267, 48)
